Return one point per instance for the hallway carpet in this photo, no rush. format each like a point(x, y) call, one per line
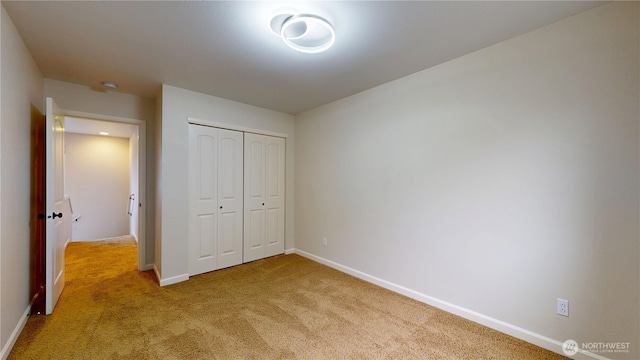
point(284, 307)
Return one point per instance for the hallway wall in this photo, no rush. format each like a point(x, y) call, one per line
point(97, 181)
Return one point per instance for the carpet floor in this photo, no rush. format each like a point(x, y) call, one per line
point(283, 307)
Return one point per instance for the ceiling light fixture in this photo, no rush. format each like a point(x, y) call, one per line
point(110, 84)
point(104, 133)
point(304, 32)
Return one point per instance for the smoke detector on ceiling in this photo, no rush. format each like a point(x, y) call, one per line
point(110, 84)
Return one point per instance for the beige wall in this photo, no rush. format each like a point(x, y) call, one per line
point(492, 184)
point(97, 181)
point(21, 89)
point(177, 106)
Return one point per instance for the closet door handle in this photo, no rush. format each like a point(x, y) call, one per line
point(220, 206)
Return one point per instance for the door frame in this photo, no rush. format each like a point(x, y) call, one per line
point(225, 126)
point(38, 206)
point(196, 121)
point(142, 177)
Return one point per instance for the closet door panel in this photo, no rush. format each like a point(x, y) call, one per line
point(230, 190)
point(206, 229)
point(256, 230)
point(273, 219)
point(229, 249)
point(256, 168)
point(264, 196)
point(254, 196)
point(203, 199)
point(275, 199)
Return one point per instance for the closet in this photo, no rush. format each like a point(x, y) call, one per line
point(215, 198)
point(236, 197)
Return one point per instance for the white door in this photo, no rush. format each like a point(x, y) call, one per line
point(264, 196)
point(274, 188)
point(230, 193)
point(215, 198)
point(254, 197)
point(55, 242)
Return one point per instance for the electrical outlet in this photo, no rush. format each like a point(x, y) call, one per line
point(324, 241)
point(562, 307)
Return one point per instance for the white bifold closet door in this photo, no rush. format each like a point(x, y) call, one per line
point(215, 198)
point(263, 196)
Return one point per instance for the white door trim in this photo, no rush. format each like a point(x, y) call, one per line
point(142, 176)
point(196, 121)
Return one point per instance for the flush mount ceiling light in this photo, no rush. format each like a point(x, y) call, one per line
point(304, 32)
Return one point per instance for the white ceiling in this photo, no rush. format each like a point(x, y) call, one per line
point(226, 48)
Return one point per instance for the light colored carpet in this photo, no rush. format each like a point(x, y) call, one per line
point(284, 307)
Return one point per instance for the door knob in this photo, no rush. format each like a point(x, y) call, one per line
point(220, 207)
point(54, 215)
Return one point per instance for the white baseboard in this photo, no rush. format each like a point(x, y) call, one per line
point(509, 329)
point(4, 354)
point(289, 251)
point(148, 267)
point(170, 281)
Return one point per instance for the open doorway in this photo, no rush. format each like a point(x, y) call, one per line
point(104, 161)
